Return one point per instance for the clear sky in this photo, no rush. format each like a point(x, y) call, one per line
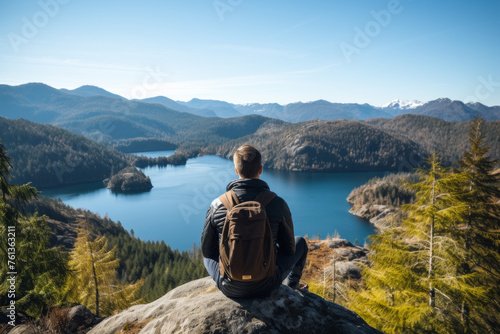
point(245, 51)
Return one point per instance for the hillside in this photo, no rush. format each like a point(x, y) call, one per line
point(330, 146)
point(448, 139)
point(379, 199)
point(162, 267)
point(47, 155)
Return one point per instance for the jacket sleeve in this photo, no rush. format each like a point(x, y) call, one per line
point(209, 236)
point(286, 236)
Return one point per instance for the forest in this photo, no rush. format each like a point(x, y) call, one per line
point(436, 267)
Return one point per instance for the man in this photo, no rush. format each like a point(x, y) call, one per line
point(292, 251)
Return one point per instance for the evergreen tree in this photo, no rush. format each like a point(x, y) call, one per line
point(39, 269)
point(478, 234)
point(94, 281)
point(410, 269)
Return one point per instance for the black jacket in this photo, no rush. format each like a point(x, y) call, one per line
point(280, 219)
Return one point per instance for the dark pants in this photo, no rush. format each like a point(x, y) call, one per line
point(288, 267)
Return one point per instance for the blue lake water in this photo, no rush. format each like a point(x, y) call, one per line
point(174, 210)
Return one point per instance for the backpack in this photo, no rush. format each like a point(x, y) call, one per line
point(247, 251)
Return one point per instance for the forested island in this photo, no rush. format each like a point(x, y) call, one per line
point(129, 180)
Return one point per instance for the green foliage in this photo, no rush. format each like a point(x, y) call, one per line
point(175, 159)
point(436, 135)
point(47, 155)
point(40, 269)
point(129, 179)
point(161, 267)
point(390, 190)
point(93, 281)
point(438, 271)
point(143, 145)
point(325, 146)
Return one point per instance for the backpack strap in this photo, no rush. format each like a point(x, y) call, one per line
point(265, 197)
point(229, 199)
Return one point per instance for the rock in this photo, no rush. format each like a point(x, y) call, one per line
point(337, 242)
point(350, 253)
point(128, 180)
point(20, 317)
point(348, 270)
point(375, 213)
point(80, 318)
point(76, 320)
point(199, 307)
point(24, 329)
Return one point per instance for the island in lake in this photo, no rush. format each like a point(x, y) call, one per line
point(128, 180)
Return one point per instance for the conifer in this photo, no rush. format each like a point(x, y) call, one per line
point(94, 282)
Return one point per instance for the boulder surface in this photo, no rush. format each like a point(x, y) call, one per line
point(199, 307)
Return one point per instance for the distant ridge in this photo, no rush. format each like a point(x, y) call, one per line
point(402, 104)
point(169, 103)
point(443, 108)
point(88, 90)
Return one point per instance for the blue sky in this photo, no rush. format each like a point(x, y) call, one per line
point(245, 51)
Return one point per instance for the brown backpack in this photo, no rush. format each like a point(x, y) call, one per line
point(247, 251)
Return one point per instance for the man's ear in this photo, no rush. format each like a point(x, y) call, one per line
point(260, 169)
point(236, 171)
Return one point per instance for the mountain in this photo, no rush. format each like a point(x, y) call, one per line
point(47, 155)
point(488, 113)
point(273, 110)
point(169, 103)
point(321, 109)
point(448, 139)
point(447, 110)
point(402, 104)
point(221, 108)
point(88, 90)
point(199, 307)
point(443, 108)
point(326, 146)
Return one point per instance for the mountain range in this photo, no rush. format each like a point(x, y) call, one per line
point(443, 108)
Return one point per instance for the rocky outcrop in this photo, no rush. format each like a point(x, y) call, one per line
point(375, 213)
point(74, 320)
point(336, 254)
point(129, 180)
point(199, 307)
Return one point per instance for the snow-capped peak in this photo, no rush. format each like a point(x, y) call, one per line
point(403, 104)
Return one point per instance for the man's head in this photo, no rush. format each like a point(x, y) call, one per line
point(247, 162)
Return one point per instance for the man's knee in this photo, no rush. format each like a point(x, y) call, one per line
point(301, 244)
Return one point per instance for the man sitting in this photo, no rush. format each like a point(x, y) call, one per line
point(291, 251)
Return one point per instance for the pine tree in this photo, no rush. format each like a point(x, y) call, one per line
point(39, 268)
point(407, 283)
point(94, 282)
point(478, 235)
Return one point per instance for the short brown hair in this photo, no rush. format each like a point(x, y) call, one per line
point(247, 161)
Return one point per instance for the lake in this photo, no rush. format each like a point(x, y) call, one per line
point(174, 210)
